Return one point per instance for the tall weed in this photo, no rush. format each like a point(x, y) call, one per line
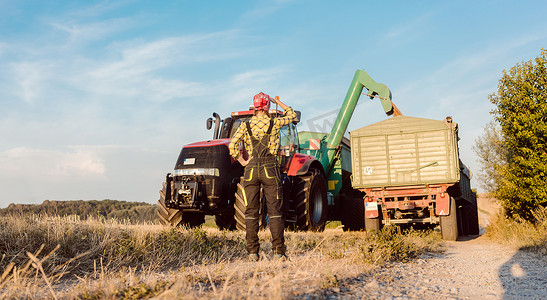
point(526, 235)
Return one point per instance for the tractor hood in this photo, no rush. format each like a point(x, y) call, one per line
point(209, 143)
point(206, 154)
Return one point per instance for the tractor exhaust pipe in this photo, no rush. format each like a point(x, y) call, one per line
point(216, 133)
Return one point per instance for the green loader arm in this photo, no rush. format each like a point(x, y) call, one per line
point(360, 80)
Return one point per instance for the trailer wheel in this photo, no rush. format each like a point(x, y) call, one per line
point(353, 213)
point(463, 220)
point(226, 220)
point(374, 224)
point(240, 207)
point(174, 217)
point(474, 220)
point(449, 224)
point(311, 201)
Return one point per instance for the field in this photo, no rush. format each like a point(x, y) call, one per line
point(96, 258)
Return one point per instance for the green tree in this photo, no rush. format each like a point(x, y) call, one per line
point(492, 157)
point(521, 111)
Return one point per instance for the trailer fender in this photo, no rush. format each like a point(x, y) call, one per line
point(300, 164)
point(442, 204)
point(371, 208)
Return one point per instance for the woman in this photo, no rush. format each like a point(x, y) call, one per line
point(261, 137)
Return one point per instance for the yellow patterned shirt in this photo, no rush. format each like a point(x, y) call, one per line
point(259, 126)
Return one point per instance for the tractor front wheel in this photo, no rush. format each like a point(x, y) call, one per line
point(174, 217)
point(168, 216)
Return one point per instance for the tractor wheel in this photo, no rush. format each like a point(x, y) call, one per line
point(449, 224)
point(240, 207)
point(226, 220)
point(353, 213)
point(168, 216)
point(174, 217)
point(311, 201)
point(193, 219)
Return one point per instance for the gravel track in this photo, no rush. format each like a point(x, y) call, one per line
point(468, 269)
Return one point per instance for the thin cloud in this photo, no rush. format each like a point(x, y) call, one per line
point(79, 33)
point(132, 70)
point(237, 91)
point(263, 10)
point(99, 8)
point(407, 30)
point(28, 78)
point(467, 73)
point(32, 162)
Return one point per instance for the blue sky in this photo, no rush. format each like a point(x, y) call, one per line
point(97, 97)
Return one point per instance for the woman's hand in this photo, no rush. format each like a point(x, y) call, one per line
point(244, 162)
point(277, 101)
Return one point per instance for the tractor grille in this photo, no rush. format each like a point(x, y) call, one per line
point(205, 157)
point(212, 192)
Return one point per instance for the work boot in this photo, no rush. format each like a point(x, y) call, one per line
point(281, 257)
point(253, 257)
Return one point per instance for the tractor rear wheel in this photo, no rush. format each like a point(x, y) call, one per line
point(353, 213)
point(174, 217)
point(311, 201)
point(449, 224)
point(226, 220)
point(240, 207)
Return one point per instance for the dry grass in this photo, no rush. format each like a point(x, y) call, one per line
point(521, 233)
point(95, 259)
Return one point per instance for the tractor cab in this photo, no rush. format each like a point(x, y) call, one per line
point(288, 144)
point(225, 129)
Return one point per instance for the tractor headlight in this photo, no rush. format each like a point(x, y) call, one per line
point(197, 171)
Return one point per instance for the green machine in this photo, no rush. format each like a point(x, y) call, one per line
point(333, 149)
point(311, 145)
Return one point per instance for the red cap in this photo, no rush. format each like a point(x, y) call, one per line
point(261, 101)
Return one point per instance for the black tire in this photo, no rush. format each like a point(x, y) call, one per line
point(474, 220)
point(311, 202)
point(226, 220)
point(174, 217)
point(168, 216)
point(240, 207)
point(193, 219)
point(353, 213)
point(449, 224)
point(463, 228)
point(374, 224)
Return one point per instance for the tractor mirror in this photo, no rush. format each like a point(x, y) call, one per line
point(209, 123)
point(297, 118)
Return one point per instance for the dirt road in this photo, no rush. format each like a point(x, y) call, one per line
point(470, 269)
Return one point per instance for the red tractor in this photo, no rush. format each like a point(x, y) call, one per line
point(316, 180)
point(206, 179)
